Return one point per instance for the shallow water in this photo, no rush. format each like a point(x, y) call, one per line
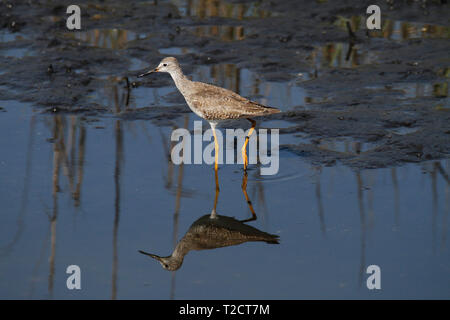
point(93, 193)
point(92, 189)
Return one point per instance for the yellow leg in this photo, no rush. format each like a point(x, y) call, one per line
point(244, 147)
point(217, 190)
point(216, 150)
point(244, 190)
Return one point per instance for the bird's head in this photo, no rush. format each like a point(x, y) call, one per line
point(169, 263)
point(168, 64)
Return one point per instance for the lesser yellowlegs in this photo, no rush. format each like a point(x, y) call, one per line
point(215, 231)
point(213, 103)
point(211, 233)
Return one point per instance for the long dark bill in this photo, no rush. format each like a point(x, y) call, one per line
point(154, 256)
point(147, 73)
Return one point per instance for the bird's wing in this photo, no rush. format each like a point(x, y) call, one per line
point(215, 102)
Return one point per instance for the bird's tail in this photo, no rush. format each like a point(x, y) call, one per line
point(269, 110)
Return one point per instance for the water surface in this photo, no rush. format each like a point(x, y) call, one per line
point(92, 189)
point(93, 193)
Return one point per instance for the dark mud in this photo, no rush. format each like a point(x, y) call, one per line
point(386, 92)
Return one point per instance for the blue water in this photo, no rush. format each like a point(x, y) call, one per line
point(333, 222)
point(93, 190)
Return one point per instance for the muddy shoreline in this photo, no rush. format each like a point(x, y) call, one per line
point(358, 89)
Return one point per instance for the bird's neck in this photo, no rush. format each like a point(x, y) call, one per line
point(181, 81)
point(181, 249)
point(177, 256)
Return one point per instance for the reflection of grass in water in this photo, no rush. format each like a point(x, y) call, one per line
point(440, 90)
point(225, 33)
point(396, 30)
point(406, 30)
point(445, 72)
point(355, 22)
point(225, 75)
point(333, 54)
point(341, 55)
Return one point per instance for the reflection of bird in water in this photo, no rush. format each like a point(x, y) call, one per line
point(213, 103)
point(210, 232)
point(215, 231)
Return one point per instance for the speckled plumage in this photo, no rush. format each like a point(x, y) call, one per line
point(210, 232)
point(214, 103)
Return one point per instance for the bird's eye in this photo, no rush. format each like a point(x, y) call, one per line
point(164, 64)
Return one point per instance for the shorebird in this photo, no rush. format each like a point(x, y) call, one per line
point(211, 232)
point(213, 103)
